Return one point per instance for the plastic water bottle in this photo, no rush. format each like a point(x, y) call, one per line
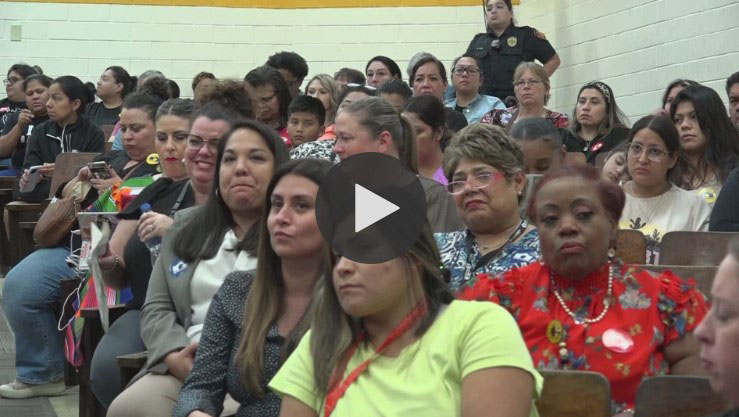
point(154, 244)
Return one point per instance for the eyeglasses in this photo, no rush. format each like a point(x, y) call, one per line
point(524, 83)
point(12, 80)
point(472, 71)
point(196, 142)
point(653, 154)
point(478, 181)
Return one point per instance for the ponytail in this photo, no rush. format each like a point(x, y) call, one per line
point(75, 89)
point(121, 76)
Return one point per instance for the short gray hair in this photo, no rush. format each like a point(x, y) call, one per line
point(485, 143)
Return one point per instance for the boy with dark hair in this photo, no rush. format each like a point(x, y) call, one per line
point(292, 67)
point(306, 120)
point(395, 92)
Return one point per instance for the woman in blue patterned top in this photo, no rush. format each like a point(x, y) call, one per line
point(486, 178)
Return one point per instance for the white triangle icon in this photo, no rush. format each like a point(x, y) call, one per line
point(369, 208)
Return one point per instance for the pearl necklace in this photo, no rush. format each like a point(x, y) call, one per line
point(606, 302)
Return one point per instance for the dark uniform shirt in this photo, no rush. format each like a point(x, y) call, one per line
point(598, 145)
point(499, 59)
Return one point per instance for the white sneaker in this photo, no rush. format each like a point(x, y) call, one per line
point(18, 389)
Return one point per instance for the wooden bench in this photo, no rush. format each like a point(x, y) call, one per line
point(677, 396)
point(694, 248)
point(631, 246)
point(574, 394)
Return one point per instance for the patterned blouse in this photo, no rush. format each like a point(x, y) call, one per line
point(648, 311)
point(461, 255)
point(503, 117)
point(319, 149)
point(215, 372)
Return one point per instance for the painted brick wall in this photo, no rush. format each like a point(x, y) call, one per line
point(637, 46)
point(83, 39)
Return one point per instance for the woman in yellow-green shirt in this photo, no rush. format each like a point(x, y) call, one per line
point(388, 339)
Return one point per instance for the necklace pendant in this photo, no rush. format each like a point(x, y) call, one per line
point(555, 331)
point(564, 354)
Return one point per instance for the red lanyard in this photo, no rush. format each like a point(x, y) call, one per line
point(338, 390)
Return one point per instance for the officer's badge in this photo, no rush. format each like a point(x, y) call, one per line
point(512, 41)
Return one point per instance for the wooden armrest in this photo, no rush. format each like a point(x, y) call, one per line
point(27, 225)
point(7, 182)
point(133, 360)
point(22, 206)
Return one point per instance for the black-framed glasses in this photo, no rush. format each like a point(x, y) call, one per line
point(197, 142)
point(524, 83)
point(477, 181)
point(12, 80)
point(471, 71)
point(656, 155)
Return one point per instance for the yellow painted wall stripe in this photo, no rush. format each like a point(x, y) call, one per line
point(280, 4)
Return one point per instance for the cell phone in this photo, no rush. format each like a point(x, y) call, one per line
point(99, 170)
point(34, 175)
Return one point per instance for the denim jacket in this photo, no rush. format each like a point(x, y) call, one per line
point(477, 107)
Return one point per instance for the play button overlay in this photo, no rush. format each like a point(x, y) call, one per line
point(370, 208)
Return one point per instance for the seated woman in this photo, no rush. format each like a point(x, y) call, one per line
point(672, 90)
point(654, 204)
point(426, 114)
point(31, 312)
point(709, 140)
point(599, 124)
point(324, 149)
point(15, 99)
point(541, 145)
point(531, 85)
point(428, 78)
point(112, 87)
point(718, 333)
point(17, 131)
point(67, 130)
point(389, 339)
point(466, 80)
point(270, 97)
point(485, 172)
point(251, 341)
point(204, 245)
point(325, 88)
point(380, 70)
point(581, 309)
point(614, 165)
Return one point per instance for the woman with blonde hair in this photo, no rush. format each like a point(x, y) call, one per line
point(326, 89)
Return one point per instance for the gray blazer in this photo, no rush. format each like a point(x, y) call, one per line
point(167, 311)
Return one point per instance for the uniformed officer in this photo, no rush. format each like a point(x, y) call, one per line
point(504, 45)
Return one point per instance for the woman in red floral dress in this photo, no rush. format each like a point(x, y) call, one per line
point(581, 309)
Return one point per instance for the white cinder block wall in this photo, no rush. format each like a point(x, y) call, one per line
point(636, 46)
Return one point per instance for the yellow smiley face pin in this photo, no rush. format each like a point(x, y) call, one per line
point(152, 159)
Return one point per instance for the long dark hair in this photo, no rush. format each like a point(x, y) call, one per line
point(722, 140)
point(265, 301)
point(122, 76)
point(75, 89)
point(266, 75)
point(665, 128)
point(431, 111)
point(24, 70)
point(389, 63)
point(204, 233)
point(680, 82)
point(614, 116)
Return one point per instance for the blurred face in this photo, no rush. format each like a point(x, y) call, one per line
point(591, 108)
point(671, 97)
point(351, 98)
point(202, 148)
point(497, 14)
point(317, 90)
point(246, 169)
point(303, 127)
point(37, 95)
point(428, 140)
point(378, 74)
point(171, 142)
point(719, 332)
point(205, 86)
point(575, 231)
point(648, 159)
point(138, 133)
point(266, 103)
point(692, 138)
point(397, 100)
point(366, 290)
point(293, 82)
point(539, 156)
point(614, 169)
point(14, 87)
point(342, 81)
point(293, 230)
point(734, 105)
point(353, 138)
point(107, 86)
point(530, 90)
point(428, 81)
point(485, 207)
point(59, 107)
point(463, 78)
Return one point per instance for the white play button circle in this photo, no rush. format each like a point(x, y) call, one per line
point(369, 208)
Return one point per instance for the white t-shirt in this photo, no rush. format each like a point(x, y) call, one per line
point(675, 210)
point(210, 274)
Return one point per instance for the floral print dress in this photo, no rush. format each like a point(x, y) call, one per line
point(647, 312)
